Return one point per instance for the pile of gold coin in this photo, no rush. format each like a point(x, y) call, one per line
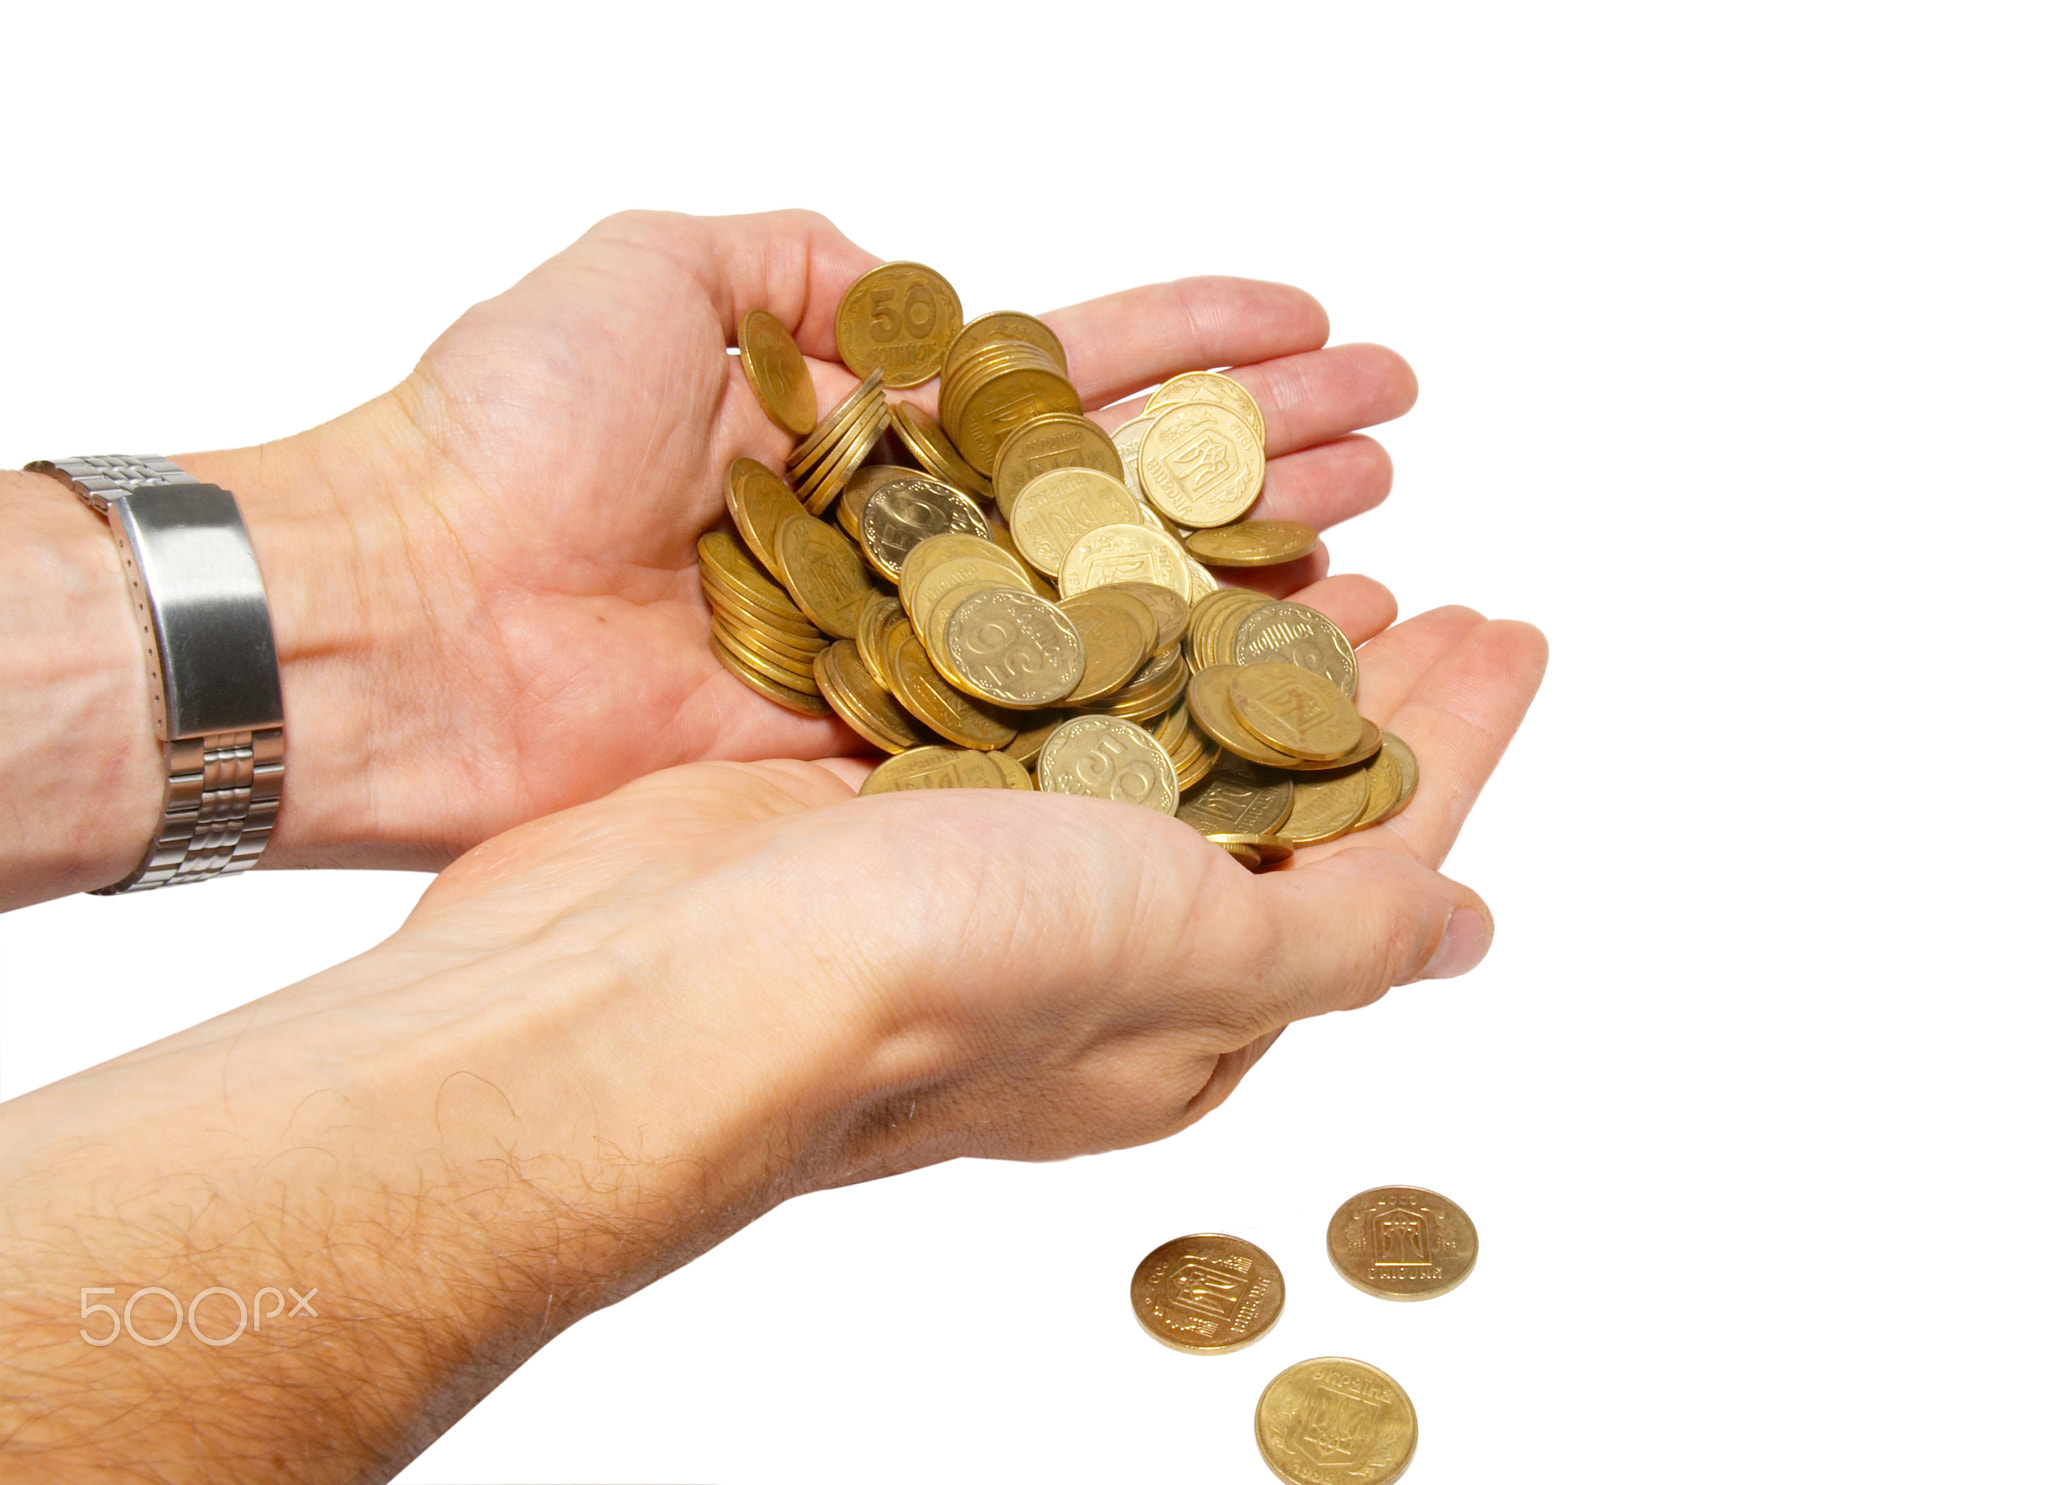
point(1331, 1418)
point(1070, 640)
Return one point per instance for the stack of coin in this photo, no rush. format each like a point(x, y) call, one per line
point(1083, 644)
point(821, 465)
point(1003, 371)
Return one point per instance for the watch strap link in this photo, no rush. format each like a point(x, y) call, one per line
point(220, 800)
point(97, 478)
point(222, 784)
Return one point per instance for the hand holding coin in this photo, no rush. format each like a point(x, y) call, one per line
point(506, 544)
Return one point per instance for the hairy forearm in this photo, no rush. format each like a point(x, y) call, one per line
point(402, 1173)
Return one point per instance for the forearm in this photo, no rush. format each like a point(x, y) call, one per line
point(407, 1135)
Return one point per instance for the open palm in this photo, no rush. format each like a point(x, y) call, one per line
point(561, 448)
point(1033, 975)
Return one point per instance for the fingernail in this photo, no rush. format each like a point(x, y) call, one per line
point(1464, 944)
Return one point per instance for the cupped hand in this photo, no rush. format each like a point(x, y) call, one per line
point(485, 582)
point(977, 972)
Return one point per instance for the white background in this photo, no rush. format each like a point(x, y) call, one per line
point(1729, 325)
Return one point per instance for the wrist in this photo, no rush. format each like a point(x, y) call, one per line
point(82, 769)
point(324, 512)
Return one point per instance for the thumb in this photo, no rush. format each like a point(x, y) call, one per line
point(1356, 923)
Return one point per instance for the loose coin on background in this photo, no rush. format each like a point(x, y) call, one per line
point(1335, 1421)
point(1401, 1242)
point(899, 319)
point(1207, 1293)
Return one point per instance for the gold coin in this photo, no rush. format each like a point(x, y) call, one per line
point(1157, 688)
point(1000, 535)
point(1295, 711)
point(776, 371)
point(1401, 1242)
point(1209, 705)
point(785, 696)
point(861, 701)
point(1391, 779)
point(726, 570)
point(1015, 774)
point(1202, 465)
point(1063, 505)
point(863, 482)
point(1013, 648)
point(1001, 405)
point(836, 421)
point(1199, 756)
point(1253, 543)
point(830, 476)
point(930, 553)
point(1326, 805)
point(1169, 610)
point(950, 580)
point(1007, 324)
point(898, 319)
point(759, 502)
point(1123, 554)
point(1108, 758)
point(935, 768)
point(1112, 644)
point(1056, 441)
point(776, 644)
point(1256, 852)
point(1299, 635)
point(1129, 440)
point(875, 619)
point(1239, 798)
point(1335, 1421)
point(1207, 1293)
point(1032, 731)
point(927, 696)
point(1209, 386)
point(780, 615)
point(927, 443)
point(900, 513)
point(784, 670)
point(826, 576)
point(1212, 624)
point(1367, 749)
